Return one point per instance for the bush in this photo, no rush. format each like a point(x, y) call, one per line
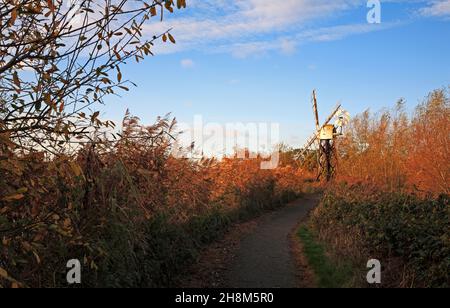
point(395, 228)
point(130, 212)
point(390, 197)
point(396, 152)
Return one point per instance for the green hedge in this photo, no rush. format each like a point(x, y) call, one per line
point(394, 225)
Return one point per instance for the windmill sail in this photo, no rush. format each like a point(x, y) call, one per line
point(316, 110)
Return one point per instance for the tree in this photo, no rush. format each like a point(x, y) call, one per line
point(60, 57)
point(428, 167)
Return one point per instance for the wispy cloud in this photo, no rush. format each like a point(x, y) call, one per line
point(438, 8)
point(254, 27)
point(187, 63)
point(288, 44)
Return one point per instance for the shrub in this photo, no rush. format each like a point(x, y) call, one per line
point(393, 227)
point(400, 153)
point(129, 211)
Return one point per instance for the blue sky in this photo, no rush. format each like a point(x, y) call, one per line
point(259, 60)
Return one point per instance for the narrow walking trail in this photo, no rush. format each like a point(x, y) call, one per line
point(264, 258)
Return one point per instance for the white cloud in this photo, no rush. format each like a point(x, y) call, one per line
point(438, 8)
point(253, 27)
point(288, 46)
point(187, 63)
point(342, 31)
point(244, 50)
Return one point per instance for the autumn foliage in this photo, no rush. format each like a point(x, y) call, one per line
point(400, 153)
point(390, 200)
point(130, 211)
point(71, 188)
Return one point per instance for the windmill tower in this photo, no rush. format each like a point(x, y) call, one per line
point(324, 139)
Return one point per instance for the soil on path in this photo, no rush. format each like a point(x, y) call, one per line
point(256, 254)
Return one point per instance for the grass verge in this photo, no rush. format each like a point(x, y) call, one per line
point(328, 274)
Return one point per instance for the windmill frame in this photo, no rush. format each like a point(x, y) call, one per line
point(324, 140)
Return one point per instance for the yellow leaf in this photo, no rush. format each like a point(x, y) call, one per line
point(172, 39)
point(3, 273)
point(38, 259)
point(50, 5)
point(117, 55)
point(13, 197)
point(67, 222)
point(13, 16)
point(153, 11)
point(22, 190)
point(26, 246)
point(94, 266)
point(76, 169)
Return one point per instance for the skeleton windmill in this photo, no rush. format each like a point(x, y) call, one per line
point(324, 139)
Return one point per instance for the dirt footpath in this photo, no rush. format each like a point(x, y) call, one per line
point(264, 258)
point(257, 254)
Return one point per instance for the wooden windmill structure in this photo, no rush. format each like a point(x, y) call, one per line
point(324, 139)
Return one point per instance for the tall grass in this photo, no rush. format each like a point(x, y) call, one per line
point(397, 152)
point(133, 214)
point(390, 200)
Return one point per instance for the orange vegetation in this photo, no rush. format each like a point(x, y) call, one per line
point(398, 153)
point(132, 212)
